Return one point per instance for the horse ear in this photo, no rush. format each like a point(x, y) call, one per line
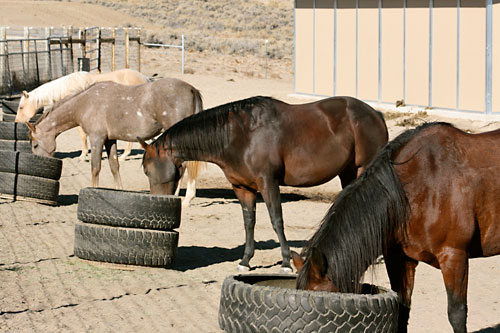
point(31, 127)
point(25, 94)
point(298, 261)
point(319, 265)
point(143, 143)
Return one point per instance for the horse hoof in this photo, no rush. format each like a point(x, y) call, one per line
point(242, 268)
point(185, 204)
point(286, 270)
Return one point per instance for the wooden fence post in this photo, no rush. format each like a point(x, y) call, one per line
point(138, 33)
point(3, 56)
point(26, 49)
point(48, 62)
point(113, 37)
point(127, 44)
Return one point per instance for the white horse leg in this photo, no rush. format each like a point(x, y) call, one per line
point(193, 169)
point(127, 151)
point(85, 149)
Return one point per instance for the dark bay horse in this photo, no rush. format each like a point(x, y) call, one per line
point(431, 195)
point(261, 143)
point(108, 111)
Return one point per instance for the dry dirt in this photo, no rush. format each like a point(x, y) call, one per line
point(44, 288)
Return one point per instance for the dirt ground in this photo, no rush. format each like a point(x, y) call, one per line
point(44, 288)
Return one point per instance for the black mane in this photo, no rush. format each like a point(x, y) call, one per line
point(207, 132)
point(356, 229)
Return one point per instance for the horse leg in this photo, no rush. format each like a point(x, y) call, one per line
point(247, 201)
point(401, 272)
point(95, 159)
point(192, 174)
point(455, 269)
point(127, 151)
point(113, 162)
point(85, 148)
point(271, 195)
point(347, 175)
point(182, 172)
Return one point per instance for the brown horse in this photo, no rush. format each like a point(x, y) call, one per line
point(108, 111)
point(431, 195)
point(261, 143)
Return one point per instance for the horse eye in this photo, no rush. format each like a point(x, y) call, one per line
point(35, 145)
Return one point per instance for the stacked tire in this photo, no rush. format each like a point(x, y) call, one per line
point(24, 176)
point(127, 227)
point(9, 110)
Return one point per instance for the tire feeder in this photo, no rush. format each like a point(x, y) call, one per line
point(270, 303)
point(127, 227)
point(28, 177)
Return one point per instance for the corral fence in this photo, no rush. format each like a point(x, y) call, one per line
point(30, 57)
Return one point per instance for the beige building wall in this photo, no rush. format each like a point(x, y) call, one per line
point(346, 48)
point(368, 50)
point(472, 56)
point(496, 58)
point(417, 53)
point(324, 29)
point(392, 50)
point(444, 54)
point(304, 61)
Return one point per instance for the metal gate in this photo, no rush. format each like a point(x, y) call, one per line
point(90, 50)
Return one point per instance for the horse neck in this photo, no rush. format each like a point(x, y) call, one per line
point(59, 119)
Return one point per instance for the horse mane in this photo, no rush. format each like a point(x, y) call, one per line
point(207, 132)
point(364, 217)
point(55, 90)
point(58, 103)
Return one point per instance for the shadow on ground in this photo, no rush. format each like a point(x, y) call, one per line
point(193, 257)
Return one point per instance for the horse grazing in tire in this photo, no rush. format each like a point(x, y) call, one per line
point(431, 195)
point(261, 143)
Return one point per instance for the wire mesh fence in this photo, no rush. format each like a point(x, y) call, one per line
point(30, 57)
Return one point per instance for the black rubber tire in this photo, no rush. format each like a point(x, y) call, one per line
point(10, 106)
point(31, 188)
point(30, 164)
point(246, 306)
point(16, 145)
point(129, 246)
point(129, 209)
point(14, 131)
point(11, 117)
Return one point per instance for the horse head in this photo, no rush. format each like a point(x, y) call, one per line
point(163, 171)
point(26, 109)
point(42, 144)
point(312, 272)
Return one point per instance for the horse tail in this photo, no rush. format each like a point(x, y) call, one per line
point(197, 100)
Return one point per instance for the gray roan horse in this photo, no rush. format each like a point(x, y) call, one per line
point(261, 143)
point(109, 111)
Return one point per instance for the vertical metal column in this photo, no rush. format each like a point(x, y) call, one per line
point(458, 56)
point(357, 47)
point(489, 58)
point(379, 51)
point(431, 40)
point(335, 5)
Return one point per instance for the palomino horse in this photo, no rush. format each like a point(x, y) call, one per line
point(71, 84)
point(109, 111)
point(431, 195)
point(261, 143)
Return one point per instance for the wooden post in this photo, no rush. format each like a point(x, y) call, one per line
point(3, 57)
point(48, 62)
point(138, 32)
point(99, 50)
point(113, 37)
point(26, 50)
point(127, 44)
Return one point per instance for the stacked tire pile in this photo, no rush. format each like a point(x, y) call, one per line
point(13, 136)
point(9, 110)
point(24, 176)
point(127, 227)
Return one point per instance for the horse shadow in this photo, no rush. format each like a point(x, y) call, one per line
point(492, 329)
point(193, 257)
point(134, 154)
point(67, 199)
point(228, 194)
